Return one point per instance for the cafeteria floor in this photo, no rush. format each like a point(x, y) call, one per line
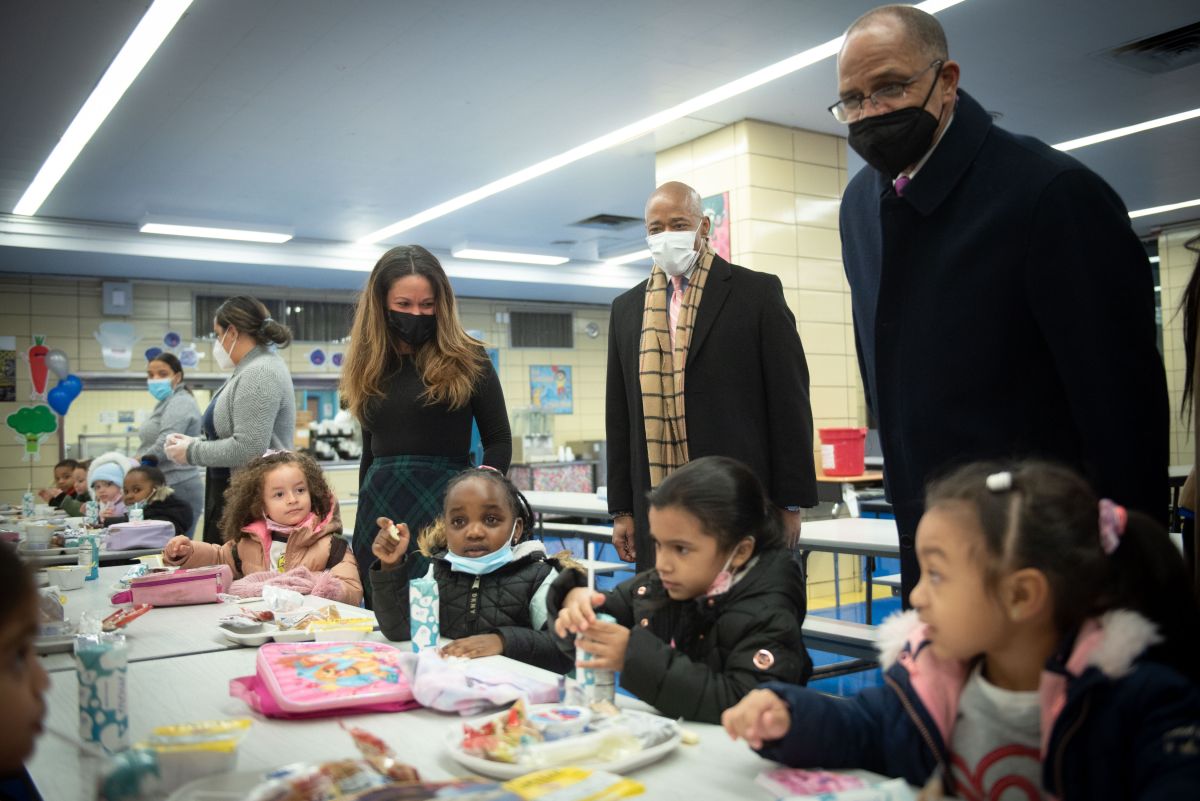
point(853, 608)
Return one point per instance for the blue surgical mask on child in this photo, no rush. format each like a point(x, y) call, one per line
point(489, 562)
point(160, 388)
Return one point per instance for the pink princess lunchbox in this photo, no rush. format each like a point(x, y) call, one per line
point(316, 679)
point(183, 587)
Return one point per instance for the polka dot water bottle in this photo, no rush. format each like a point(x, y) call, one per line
point(101, 662)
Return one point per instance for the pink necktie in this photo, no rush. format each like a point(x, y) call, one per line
point(902, 183)
point(676, 302)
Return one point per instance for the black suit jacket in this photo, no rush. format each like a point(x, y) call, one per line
point(1004, 308)
point(745, 393)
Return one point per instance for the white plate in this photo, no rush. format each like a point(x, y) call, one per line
point(221, 787)
point(268, 632)
point(58, 644)
point(506, 770)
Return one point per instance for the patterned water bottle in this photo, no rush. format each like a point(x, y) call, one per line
point(28, 504)
point(596, 685)
point(424, 608)
point(101, 662)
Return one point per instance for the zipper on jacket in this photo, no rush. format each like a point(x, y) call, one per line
point(473, 603)
point(1062, 746)
point(947, 777)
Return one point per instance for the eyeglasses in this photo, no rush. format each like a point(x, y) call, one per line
point(850, 109)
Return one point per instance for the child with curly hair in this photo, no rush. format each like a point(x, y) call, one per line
point(281, 527)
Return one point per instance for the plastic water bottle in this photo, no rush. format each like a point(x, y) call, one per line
point(28, 502)
point(89, 554)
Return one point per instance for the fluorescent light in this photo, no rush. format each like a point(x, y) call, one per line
point(158, 21)
point(637, 255)
point(1117, 133)
point(206, 232)
point(1133, 215)
point(1154, 259)
point(501, 255)
point(632, 131)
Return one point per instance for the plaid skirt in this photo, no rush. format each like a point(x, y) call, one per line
point(407, 489)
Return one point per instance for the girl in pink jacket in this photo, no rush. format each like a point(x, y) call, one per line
point(280, 527)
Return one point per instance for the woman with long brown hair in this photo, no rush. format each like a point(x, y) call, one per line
point(415, 380)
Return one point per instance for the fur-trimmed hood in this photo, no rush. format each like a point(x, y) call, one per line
point(1111, 643)
point(120, 460)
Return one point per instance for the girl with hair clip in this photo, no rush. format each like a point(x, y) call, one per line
point(416, 381)
point(252, 411)
point(719, 614)
point(282, 528)
point(1052, 652)
point(492, 581)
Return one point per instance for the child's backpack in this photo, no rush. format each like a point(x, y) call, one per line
point(182, 587)
point(319, 679)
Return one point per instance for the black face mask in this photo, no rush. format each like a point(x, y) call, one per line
point(415, 329)
point(894, 141)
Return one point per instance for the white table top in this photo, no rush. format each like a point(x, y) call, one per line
point(194, 688)
point(165, 631)
point(580, 504)
point(863, 536)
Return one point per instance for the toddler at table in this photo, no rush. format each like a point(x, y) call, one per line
point(492, 581)
point(106, 479)
point(73, 503)
point(148, 486)
point(1052, 652)
point(23, 680)
point(64, 484)
point(280, 527)
point(719, 614)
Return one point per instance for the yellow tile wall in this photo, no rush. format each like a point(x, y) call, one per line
point(1175, 267)
point(68, 310)
point(785, 186)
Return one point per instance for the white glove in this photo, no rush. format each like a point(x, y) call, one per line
point(176, 446)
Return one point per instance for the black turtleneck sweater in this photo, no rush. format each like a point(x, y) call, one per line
point(402, 424)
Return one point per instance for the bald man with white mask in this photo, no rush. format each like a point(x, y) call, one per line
point(703, 360)
point(1003, 306)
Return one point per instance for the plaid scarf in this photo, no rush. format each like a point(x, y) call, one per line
point(660, 372)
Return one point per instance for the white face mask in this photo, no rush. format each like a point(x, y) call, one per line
point(222, 357)
point(674, 251)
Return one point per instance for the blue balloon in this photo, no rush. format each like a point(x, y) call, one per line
point(72, 385)
point(59, 399)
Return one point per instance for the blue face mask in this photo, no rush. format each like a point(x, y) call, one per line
point(488, 563)
point(160, 388)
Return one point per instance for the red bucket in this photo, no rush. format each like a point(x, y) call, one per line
point(843, 451)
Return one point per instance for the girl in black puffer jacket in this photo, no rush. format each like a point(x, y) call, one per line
point(491, 584)
point(718, 615)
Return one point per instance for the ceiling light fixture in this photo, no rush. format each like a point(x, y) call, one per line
point(502, 255)
point(150, 32)
point(1133, 215)
point(632, 131)
point(1117, 133)
point(629, 258)
point(206, 232)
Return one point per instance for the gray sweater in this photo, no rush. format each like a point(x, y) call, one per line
point(176, 413)
point(255, 410)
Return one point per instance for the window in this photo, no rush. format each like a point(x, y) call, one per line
point(309, 320)
point(319, 320)
point(542, 329)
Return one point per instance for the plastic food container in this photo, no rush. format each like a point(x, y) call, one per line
point(66, 577)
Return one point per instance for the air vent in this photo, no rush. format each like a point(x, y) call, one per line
point(563, 242)
point(1162, 52)
point(542, 329)
point(609, 221)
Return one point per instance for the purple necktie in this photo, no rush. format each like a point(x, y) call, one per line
point(902, 183)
